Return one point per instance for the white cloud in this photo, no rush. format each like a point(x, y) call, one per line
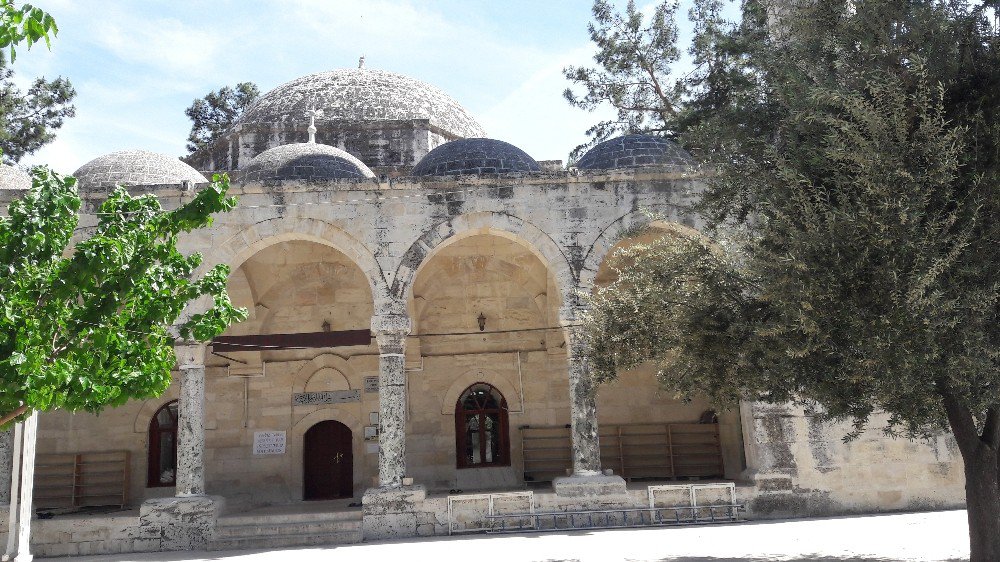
point(64, 155)
point(164, 44)
point(536, 118)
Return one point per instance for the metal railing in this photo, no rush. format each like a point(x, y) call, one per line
point(692, 491)
point(491, 499)
point(612, 518)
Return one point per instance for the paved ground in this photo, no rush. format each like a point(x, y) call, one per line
point(936, 536)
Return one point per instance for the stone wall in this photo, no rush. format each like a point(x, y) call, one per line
point(801, 464)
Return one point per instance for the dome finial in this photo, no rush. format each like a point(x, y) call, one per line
point(312, 113)
point(361, 62)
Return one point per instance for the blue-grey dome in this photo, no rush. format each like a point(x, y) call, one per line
point(306, 161)
point(14, 178)
point(634, 151)
point(475, 156)
point(135, 167)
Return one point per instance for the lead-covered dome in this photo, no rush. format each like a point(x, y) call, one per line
point(361, 94)
point(14, 178)
point(634, 151)
point(475, 156)
point(304, 161)
point(135, 167)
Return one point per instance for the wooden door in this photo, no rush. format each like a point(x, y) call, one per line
point(328, 462)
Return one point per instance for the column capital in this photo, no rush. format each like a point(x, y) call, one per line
point(190, 354)
point(391, 324)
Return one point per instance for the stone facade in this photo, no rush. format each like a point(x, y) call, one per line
point(462, 280)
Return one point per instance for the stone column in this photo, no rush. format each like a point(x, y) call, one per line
point(191, 421)
point(6, 463)
point(185, 521)
point(587, 478)
point(392, 510)
point(582, 406)
point(390, 332)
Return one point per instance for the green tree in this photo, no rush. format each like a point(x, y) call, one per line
point(214, 114)
point(632, 75)
point(854, 261)
point(26, 24)
point(88, 326)
point(28, 119)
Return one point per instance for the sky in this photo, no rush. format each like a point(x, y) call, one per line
point(138, 64)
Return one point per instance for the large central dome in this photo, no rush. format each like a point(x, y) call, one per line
point(361, 94)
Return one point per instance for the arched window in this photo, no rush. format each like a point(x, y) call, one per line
point(481, 428)
point(163, 447)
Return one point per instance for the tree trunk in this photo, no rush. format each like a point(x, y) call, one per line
point(982, 499)
point(982, 474)
point(7, 417)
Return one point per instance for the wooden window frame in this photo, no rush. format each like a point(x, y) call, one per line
point(462, 415)
point(154, 453)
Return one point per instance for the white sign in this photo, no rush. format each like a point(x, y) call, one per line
point(269, 442)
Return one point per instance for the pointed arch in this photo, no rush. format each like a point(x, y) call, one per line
point(516, 229)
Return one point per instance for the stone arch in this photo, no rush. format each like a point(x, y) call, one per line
point(241, 293)
point(337, 412)
point(318, 364)
point(515, 402)
point(505, 225)
point(532, 286)
point(306, 277)
point(609, 236)
point(327, 379)
point(253, 238)
point(150, 407)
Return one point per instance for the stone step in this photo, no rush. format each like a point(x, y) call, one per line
point(280, 518)
point(265, 528)
point(284, 540)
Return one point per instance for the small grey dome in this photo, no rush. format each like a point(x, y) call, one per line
point(14, 178)
point(135, 167)
point(305, 161)
point(359, 95)
point(475, 156)
point(634, 151)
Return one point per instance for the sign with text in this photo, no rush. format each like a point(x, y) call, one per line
point(269, 442)
point(371, 384)
point(329, 397)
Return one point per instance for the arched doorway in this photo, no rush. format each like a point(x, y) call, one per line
point(327, 462)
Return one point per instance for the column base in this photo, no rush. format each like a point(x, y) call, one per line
point(589, 486)
point(391, 513)
point(180, 523)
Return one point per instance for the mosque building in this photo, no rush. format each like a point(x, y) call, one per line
point(413, 363)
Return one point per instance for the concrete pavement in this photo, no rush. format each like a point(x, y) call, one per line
point(932, 536)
